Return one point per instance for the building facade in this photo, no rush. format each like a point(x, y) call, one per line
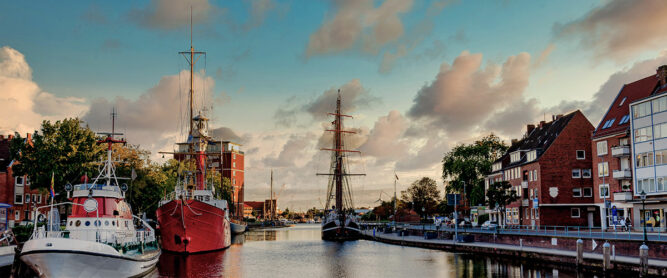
point(612, 160)
point(649, 155)
point(550, 170)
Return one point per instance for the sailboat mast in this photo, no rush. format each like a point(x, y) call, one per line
point(192, 64)
point(339, 157)
point(271, 197)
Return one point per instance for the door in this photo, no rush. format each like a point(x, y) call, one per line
point(590, 220)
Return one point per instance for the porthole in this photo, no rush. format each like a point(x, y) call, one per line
point(87, 223)
point(106, 223)
point(78, 223)
point(98, 223)
point(113, 223)
point(70, 223)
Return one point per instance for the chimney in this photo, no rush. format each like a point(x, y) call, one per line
point(529, 129)
point(542, 123)
point(514, 141)
point(559, 116)
point(661, 74)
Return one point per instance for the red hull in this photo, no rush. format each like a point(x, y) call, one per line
point(193, 228)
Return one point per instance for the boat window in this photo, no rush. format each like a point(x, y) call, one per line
point(70, 223)
point(126, 223)
point(78, 223)
point(208, 198)
point(113, 223)
point(106, 223)
point(87, 223)
point(98, 223)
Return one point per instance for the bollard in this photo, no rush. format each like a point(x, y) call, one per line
point(643, 259)
point(580, 252)
point(606, 254)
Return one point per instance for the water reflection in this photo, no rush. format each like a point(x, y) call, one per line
point(299, 252)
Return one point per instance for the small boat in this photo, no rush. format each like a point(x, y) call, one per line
point(7, 249)
point(100, 238)
point(238, 228)
point(339, 222)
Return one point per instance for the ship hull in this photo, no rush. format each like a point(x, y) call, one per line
point(76, 258)
point(193, 226)
point(238, 228)
point(333, 231)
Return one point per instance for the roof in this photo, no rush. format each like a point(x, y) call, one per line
point(538, 139)
point(254, 205)
point(618, 115)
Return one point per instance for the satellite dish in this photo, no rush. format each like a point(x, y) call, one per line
point(68, 187)
point(123, 187)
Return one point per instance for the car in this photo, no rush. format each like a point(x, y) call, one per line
point(489, 225)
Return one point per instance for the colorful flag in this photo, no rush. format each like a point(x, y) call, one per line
point(53, 192)
point(396, 175)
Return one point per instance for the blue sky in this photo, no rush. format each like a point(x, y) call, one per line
point(265, 69)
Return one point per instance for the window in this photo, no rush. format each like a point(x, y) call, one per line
point(535, 175)
point(660, 183)
point(234, 173)
point(581, 154)
point(602, 147)
point(608, 123)
point(18, 181)
point(17, 215)
point(660, 131)
point(659, 104)
point(27, 198)
point(641, 110)
point(576, 192)
point(532, 155)
point(576, 173)
point(233, 181)
point(603, 169)
point(37, 198)
point(643, 134)
point(515, 156)
point(604, 190)
point(660, 157)
point(234, 164)
point(496, 166)
point(623, 141)
point(586, 173)
point(588, 192)
point(18, 199)
point(622, 101)
point(624, 119)
point(530, 175)
point(233, 155)
point(537, 213)
point(575, 213)
point(644, 159)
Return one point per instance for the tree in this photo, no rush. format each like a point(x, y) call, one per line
point(499, 195)
point(63, 149)
point(469, 164)
point(286, 213)
point(423, 193)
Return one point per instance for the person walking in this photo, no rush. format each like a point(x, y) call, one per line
point(650, 223)
point(627, 224)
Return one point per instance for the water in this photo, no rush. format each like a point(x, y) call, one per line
point(299, 252)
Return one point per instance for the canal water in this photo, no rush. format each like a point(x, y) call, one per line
point(298, 251)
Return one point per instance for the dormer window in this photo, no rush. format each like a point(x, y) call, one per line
point(18, 181)
point(532, 155)
point(515, 156)
point(496, 166)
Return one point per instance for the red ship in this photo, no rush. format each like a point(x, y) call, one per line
point(192, 219)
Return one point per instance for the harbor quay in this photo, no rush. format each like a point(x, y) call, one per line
point(587, 249)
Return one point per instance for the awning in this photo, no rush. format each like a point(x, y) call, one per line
point(3, 205)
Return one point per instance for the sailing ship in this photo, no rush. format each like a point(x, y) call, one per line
point(192, 219)
point(339, 221)
point(100, 238)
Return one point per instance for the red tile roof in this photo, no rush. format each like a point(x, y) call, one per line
point(619, 107)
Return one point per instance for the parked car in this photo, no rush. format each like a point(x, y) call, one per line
point(489, 225)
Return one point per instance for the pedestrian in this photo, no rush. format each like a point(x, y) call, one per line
point(627, 224)
point(623, 223)
point(650, 223)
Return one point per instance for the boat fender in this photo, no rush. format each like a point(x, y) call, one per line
point(186, 240)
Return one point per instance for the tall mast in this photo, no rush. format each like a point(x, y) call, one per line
point(192, 64)
point(339, 156)
point(271, 197)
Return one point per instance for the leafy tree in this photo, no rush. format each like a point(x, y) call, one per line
point(286, 213)
point(469, 164)
point(63, 149)
point(423, 193)
point(499, 195)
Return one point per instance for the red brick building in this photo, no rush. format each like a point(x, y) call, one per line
point(612, 161)
point(550, 169)
point(16, 191)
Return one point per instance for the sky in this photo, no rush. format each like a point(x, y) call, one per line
point(419, 76)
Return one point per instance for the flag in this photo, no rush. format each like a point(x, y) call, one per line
point(52, 191)
point(396, 175)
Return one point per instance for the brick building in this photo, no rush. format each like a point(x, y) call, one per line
point(550, 169)
point(612, 161)
point(15, 191)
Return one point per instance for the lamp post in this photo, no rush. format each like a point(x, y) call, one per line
point(423, 220)
point(643, 196)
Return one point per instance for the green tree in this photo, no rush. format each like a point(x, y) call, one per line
point(423, 193)
point(499, 195)
point(469, 164)
point(63, 149)
point(286, 213)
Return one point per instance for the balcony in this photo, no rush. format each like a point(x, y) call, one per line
point(622, 174)
point(620, 151)
point(623, 196)
point(524, 202)
point(524, 184)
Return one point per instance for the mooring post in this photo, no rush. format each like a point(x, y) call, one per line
point(580, 252)
point(606, 254)
point(643, 259)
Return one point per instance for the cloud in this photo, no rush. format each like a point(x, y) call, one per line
point(359, 23)
point(353, 96)
point(544, 55)
point(465, 94)
point(293, 152)
point(226, 134)
point(154, 118)
point(619, 29)
point(385, 140)
point(259, 9)
point(172, 14)
point(23, 104)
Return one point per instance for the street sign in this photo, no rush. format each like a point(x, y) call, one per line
point(453, 199)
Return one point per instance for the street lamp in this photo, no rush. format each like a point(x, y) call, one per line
point(423, 220)
point(643, 196)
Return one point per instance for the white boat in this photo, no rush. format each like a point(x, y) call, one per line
point(7, 248)
point(238, 228)
point(100, 238)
